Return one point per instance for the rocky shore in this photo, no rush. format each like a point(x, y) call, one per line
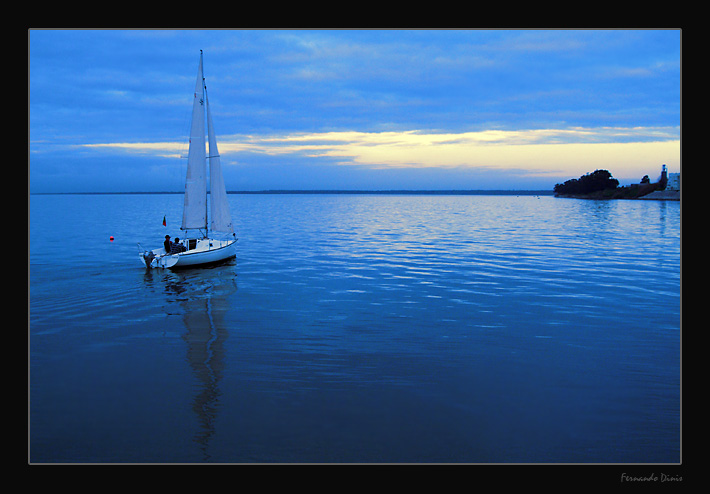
point(663, 195)
point(657, 195)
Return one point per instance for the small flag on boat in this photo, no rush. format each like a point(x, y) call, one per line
point(164, 223)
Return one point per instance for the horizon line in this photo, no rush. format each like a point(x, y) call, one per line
point(337, 191)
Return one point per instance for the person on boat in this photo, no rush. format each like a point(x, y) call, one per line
point(176, 247)
point(167, 244)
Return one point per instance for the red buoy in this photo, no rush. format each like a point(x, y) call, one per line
point(111, 238)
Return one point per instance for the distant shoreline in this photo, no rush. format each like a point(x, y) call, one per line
point(341, 192)
point(658, 195)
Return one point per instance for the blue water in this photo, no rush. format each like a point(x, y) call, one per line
point(358, 328)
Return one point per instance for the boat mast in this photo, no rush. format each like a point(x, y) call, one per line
point(204, 87)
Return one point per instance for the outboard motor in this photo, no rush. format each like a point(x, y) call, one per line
point(148, 257)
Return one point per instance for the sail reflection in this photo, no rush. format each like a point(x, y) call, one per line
point(203, 297)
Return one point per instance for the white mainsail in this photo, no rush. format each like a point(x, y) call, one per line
point(194, 213)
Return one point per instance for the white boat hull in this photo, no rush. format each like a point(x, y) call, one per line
point(206, 251)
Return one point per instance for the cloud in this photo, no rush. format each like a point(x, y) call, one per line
point(158, 149)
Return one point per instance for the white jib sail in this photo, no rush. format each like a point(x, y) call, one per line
point(194, 213)
point(220, 218)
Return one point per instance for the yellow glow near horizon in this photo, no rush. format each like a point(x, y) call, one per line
point(536, 152)
point(543, 152)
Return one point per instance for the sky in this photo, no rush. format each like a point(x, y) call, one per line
point(109, 110)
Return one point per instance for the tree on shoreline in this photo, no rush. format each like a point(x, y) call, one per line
point(591, 182)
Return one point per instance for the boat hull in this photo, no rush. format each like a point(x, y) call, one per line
point(208, 251)
point(206, 257)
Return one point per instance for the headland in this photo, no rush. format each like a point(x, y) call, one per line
point(600, 185)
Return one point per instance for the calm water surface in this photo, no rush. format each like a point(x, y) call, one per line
point(358, 328)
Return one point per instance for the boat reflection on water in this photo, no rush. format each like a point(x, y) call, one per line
point(201, 296)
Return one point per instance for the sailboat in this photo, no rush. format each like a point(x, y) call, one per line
point(206, 242)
